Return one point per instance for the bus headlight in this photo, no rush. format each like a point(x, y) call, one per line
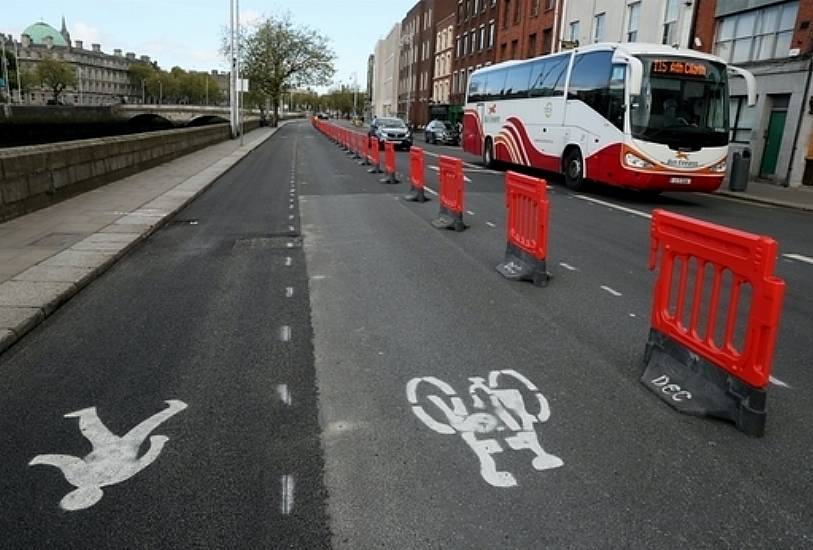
point(720, 166)
point(635, 161)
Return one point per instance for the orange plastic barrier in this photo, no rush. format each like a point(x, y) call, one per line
point(376, 157)
point(715, 325)
point(416, 176)
point(526, 199)
point(450, 215)
point(389, 163)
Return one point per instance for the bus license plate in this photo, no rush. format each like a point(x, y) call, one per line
point(680, 181)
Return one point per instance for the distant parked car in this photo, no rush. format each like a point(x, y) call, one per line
point(391, 129)
point(441, 131)
point(323, 116)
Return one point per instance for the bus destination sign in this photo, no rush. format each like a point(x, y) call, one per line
point(679, 68)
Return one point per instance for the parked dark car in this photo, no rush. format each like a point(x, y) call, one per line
point(441, 131)
point(391, 129)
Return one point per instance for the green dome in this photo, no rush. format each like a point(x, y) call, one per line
point(38, 32)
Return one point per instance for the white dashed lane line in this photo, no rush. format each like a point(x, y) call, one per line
point(437, 169)
point(430, 191)
point(284, 394)
point(491, 224)
point(799, 258)
point(615, 206)
point(288, 261)
point(469, 212)
point(611, 290)
point(287, 504)
point(285, 333)
point(289, 291)
point(568, 266)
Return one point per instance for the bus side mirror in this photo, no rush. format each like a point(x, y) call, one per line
point(636, 75)
point(750, 83)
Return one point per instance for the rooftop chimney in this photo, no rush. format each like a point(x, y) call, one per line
point(117, 52)
point(26, 40)
point(79, 45)
point(97, 48)
point(145, 58)
point(130, 55)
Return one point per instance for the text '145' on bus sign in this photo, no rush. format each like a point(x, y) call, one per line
point(679, 68)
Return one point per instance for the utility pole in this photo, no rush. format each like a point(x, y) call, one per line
point(5, 69)
point(233, 74)
point(81, 90)
point(143, 91)
point(160, 92)
point(19, 69)
point(207, 90)
point(240, 93)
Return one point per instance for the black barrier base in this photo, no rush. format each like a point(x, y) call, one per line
point(364, 162)
point(390, 179)
point(374, 170)
point(521, 266)
point(416, 195)
point(449, 220)
point(694, 386)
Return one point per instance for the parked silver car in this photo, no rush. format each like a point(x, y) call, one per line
point(391, 129)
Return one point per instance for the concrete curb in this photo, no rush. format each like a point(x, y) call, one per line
point(31, 296)
point(765, 200)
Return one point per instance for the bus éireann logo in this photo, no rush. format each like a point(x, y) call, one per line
point(680, 155)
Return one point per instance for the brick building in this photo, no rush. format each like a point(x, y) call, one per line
point(527, 28)
point(475, 42)
point(772, 39)
point(446, 12)
point(416, 63)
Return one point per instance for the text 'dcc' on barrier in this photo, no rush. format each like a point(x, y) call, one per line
point(715, 317)
point(416, 176)
point(376, 157)
point(526, 200)
point(450, 174)
point(389, 163)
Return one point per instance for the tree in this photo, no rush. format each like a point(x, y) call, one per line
point(278, 56)
point(56, 75)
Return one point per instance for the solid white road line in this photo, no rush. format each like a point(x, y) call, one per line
point(568, 266)
point(285, 333)
point(615, 206)
point(799, 257)
point(287, 504)
point(778, 382)
point(284, 394)
point(611, 291)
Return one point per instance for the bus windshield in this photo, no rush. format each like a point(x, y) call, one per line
point(683, 103)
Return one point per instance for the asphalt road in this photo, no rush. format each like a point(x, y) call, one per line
point(395, 299)
point(211, 312)
point(335, 434)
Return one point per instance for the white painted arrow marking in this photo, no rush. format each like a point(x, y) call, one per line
point(114, 459)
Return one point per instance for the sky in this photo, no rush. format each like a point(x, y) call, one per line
point(188, 33)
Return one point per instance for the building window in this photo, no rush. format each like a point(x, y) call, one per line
point(459, 47)
point(574, 31)
point(491, 34)
point(506, 11)
point(598, 29)
point(514, 49)
point(547, 41)
point(517, 5)
point(670, 22)
point(532, 45)
point(460, 14)
point(742, 119)
point(534, 8)
point(757, 34)
point(482, 37)
point(633, 20)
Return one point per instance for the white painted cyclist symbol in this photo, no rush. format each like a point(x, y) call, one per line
point(114, 459)
point(507, 412)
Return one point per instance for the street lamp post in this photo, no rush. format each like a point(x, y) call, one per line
point(143, 91)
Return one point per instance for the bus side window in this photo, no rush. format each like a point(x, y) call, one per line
point(516, 83)
point(615, 107)
point(477, 88)
point(495, 82)
point(550, 77)
point(590, 80)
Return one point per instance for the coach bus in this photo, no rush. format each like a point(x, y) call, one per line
point(642, 116)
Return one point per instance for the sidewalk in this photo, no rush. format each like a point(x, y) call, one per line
point(49, 255)
point(800, 198)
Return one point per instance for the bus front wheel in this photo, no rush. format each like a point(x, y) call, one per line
point(488, 154)
point(574, 170)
